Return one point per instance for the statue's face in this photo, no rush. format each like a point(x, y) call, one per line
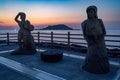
point(91, 13)
point(22, 17)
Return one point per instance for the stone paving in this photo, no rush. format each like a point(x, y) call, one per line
point(69, 68)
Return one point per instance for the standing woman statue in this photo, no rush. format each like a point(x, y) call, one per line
point(21, 23)
point(25, 39)
point(94, 31)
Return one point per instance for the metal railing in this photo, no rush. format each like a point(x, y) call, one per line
point(65, 38)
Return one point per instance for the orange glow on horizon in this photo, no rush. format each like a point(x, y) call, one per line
point(41, 21)
point(50, 19)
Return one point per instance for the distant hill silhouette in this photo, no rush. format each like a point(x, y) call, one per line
point(57, 27)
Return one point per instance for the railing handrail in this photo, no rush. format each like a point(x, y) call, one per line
point(112, 35)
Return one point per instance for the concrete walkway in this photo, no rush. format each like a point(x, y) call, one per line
point(35, 69)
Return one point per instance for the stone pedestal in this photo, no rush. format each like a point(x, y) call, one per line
point(22, 51)
point(51, 56)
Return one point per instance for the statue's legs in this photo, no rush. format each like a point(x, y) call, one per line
point(20, 38)
point(96, 60)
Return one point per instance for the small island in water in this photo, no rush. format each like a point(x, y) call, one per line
point(57, 27)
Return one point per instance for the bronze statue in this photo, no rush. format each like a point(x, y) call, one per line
point(25, 39)
point(94, 31)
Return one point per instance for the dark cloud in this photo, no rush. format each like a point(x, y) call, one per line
point(1, 22)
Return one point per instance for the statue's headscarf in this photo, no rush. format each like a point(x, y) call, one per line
point(92, 8)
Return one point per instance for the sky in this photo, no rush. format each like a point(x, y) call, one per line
point(51, 12)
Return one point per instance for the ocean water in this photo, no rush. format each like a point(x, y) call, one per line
point(109, 32)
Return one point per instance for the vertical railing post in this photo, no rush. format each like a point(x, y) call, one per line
point(7, 38)
point(68, 39)
point(38, 37)
point(17, 39)
point(51, 37)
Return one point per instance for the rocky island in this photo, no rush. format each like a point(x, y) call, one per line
point(57, 27)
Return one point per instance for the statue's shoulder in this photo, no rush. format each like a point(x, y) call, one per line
point(20, 22)
point(100, 20)
point(84, 22)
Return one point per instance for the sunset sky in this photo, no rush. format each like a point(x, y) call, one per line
point(49, 12)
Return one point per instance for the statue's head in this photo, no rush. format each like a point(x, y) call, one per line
point(23, 16)
point(92, 12)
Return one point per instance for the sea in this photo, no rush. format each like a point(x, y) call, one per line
point(110, 31)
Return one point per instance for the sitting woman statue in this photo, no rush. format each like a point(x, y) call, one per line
point(94, 31)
